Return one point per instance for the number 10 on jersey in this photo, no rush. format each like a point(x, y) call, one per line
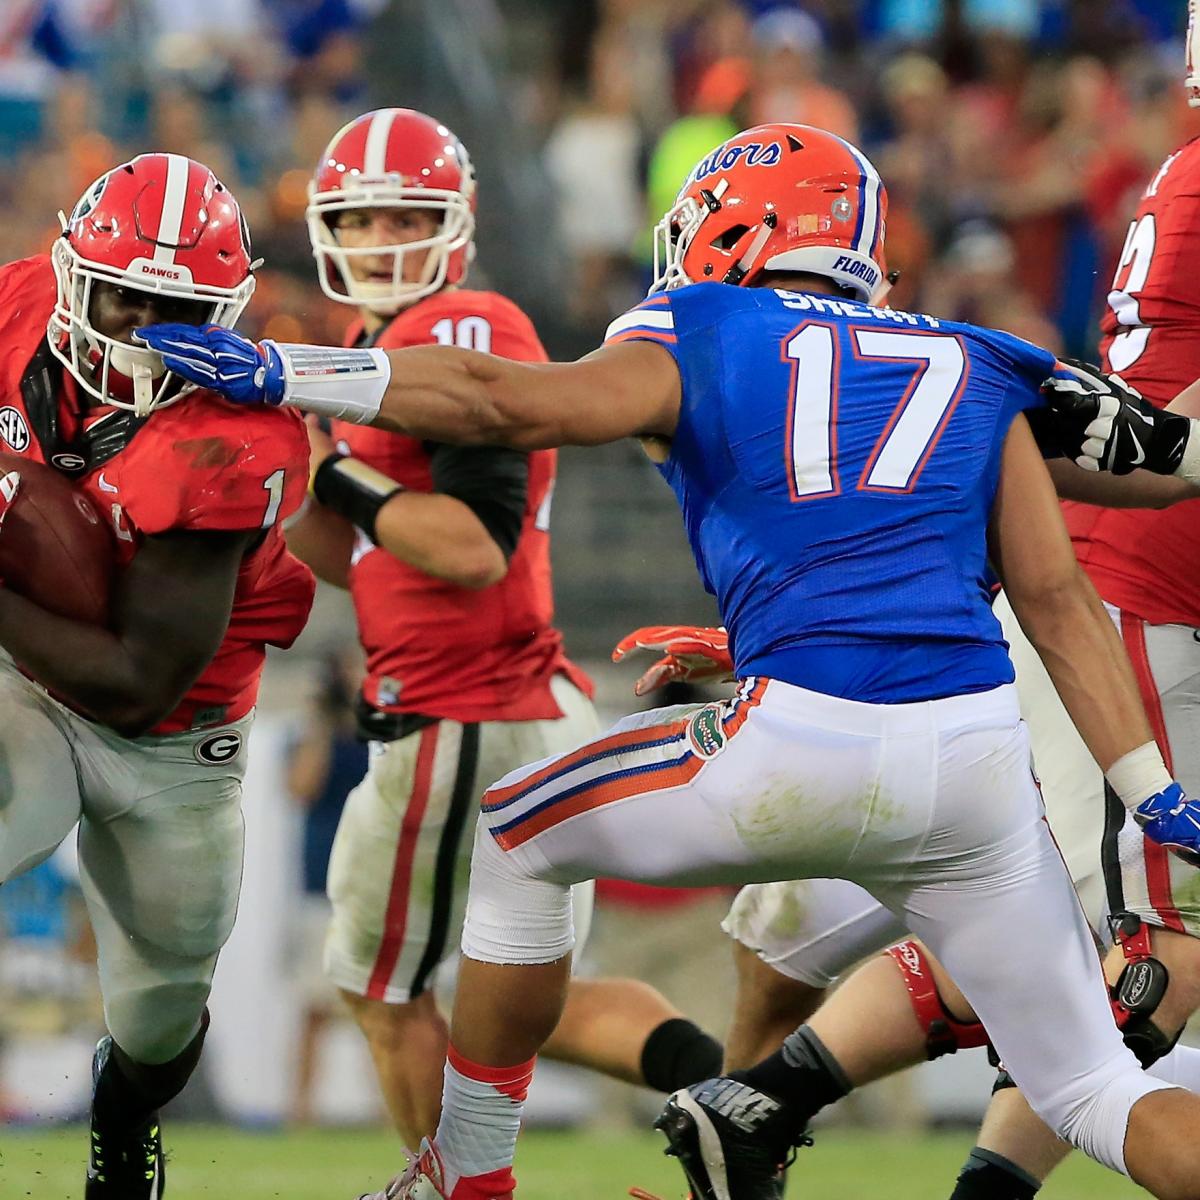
point(910, 433)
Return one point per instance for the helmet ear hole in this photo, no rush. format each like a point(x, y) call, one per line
point(727, 239)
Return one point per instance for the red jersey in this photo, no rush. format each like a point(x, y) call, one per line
point(201, 463)
point(1151, 338)
point(433, 647)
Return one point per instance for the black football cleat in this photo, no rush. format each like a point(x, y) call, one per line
point(732, 1141)
point(126, 1166)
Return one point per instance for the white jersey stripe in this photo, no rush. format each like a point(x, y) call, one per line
point(641, 318)
point(375, 154)
point(174, 195)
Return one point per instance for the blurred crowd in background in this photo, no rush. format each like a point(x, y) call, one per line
point(1013, 135)
point(252, 88)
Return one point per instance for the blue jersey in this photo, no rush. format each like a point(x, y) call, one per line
point(836, 466)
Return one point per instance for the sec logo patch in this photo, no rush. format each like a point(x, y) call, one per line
point(218, 748)
point(13, 429)
point(705, 732)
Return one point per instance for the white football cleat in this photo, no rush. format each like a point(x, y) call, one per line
point(422, 1179)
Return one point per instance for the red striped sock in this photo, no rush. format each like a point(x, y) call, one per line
point(481, 1116)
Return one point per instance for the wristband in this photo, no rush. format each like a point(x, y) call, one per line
point(353, 489)
point(1189, 460)
point(346, 384)
point(1138, 775)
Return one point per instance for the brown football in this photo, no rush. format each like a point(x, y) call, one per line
point(55, 548)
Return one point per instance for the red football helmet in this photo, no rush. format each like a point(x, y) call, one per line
point(163, 224)
point(393, 158)
point(776, 197)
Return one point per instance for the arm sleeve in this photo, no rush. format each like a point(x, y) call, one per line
point(492, 481)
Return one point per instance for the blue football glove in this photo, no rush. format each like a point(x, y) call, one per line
point(1172, 820)
point(219, 359)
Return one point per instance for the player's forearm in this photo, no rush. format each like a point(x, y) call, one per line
point(88, 666)
point(323, 541)
point(442, 394)
point(435, 393)
point(1140, 489)
point(442, 537)
point(1086, 660)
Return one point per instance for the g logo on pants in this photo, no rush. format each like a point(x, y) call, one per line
point(218, 748)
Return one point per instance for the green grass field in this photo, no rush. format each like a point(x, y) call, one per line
point(211, 1163)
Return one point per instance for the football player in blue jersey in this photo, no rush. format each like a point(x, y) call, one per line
point(845, 472)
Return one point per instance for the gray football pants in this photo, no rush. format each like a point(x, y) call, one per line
point(160, 850)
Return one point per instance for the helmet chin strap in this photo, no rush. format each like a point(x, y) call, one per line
point(143, 390)
point(139, 368)
point(885, 286)
point(742, 267)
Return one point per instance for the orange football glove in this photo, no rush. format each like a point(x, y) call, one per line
point(691, 654)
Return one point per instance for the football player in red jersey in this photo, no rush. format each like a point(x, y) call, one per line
point(446, 553)
point(137, 732)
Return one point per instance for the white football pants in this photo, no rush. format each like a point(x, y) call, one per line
point(930, 807)
point(398, 872)
point(813, 930)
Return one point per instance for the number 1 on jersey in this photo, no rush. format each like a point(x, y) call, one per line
point(911, 432)
point(273, 486)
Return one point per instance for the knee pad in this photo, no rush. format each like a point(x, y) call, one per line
point(944, 1034)
point(512, 916)
point(1139, 991)
point(1134, 997)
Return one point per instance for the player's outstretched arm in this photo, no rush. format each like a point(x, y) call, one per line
point(1058, 608)
point(1091, 419)
point(1064, 619)
point(439, 393)
point(171, 606)
point(1139, 489)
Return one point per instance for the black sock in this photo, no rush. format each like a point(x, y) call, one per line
point(129, 1093)
point(801, 1073)
point(989, 1176)
point(679, 1053)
